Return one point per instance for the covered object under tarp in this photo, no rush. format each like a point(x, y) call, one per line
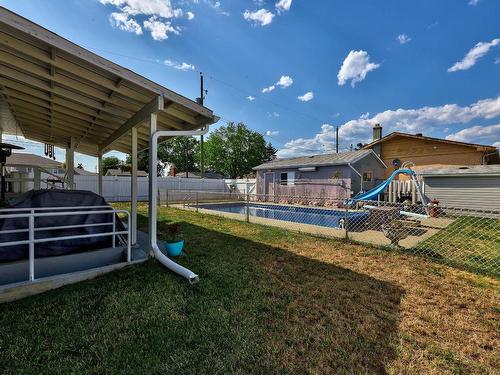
point(58, 198)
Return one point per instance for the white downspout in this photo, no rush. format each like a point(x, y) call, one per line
point(153, 197)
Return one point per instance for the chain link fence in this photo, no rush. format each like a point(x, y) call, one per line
point(460, 237)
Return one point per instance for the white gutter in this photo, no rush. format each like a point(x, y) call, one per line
point(153, 201)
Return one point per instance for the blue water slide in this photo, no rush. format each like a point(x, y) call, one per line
point(373, 193)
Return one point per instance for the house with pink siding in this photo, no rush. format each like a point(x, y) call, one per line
point(335, 176)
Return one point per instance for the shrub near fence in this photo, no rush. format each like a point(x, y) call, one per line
point(459, 237)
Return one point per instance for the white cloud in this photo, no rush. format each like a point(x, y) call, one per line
point(261, 16)
point(474, 54)
point(190, 15)
point(272, 133)
point(283, 5)
point(285, 81)
point(355, 67)
point(403, 38)
point(123, 22)
point(421, 120)
point(306, 97)
point(268, 89)
point(473, 2)
point(497, 60)
point(161, 8)
point(251, 98)
point(159, 29)
point(180, 66)
point(477, 134)
point(159, 13)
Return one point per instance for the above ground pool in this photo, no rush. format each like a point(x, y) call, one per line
point(304, 215)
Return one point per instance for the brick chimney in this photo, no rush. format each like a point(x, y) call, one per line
point(377, 132)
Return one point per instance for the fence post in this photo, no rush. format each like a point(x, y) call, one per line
point(248, 208)
point(167, 197)
point(32, 245)
point(196, 201)
point(346, 223)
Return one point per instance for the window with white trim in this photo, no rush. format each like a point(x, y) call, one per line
point(287, 178)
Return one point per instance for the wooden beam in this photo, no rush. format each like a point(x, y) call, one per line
point(46, 37)
point(154, 106)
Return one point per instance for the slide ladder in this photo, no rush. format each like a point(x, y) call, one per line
point(374, 193)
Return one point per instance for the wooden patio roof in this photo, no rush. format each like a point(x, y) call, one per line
point(58, 91)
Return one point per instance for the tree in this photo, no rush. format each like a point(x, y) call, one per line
point(172, 151)
point(270, 153)
point(111, 162)
point(181, 152)
point(234, 150)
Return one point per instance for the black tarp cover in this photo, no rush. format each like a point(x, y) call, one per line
point(57, 198)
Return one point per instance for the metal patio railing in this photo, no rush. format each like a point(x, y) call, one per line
point(32, 213)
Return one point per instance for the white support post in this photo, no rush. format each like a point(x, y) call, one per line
point(99, 172)
point(37, 178)
point(70, 163)
point(133, 189)
point(152, 183)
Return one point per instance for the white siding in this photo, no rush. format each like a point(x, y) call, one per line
point(473, 192)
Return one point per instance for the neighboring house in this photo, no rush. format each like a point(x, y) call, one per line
point(24, 163)
point(335, 176)
point(120, 173)
point(427, 152)
point(473, 187)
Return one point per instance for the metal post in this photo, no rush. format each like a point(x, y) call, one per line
point(346, 224)
point(133, 188)
point(248, 208)
point(167, 197)
point(129, 238)
point(114, 230)
point(196, 201)
point(32, 245)
point(100, 170)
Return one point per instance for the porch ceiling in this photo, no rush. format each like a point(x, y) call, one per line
point(57, 90)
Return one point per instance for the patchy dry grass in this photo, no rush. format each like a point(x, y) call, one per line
point(269, 301)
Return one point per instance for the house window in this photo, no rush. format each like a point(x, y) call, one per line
point(287, 178)
point(367, 176)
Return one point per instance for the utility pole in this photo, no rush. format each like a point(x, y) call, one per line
point(202, 154)
point(337, 139)
point(186, 163)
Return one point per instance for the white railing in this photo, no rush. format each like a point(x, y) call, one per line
point(32, 213)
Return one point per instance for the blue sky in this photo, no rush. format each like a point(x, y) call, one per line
point(414, 66)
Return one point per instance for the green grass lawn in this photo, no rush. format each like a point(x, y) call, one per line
point(268, 302)
point(468, 241)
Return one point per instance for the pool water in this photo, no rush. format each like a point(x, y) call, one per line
point(303, 215)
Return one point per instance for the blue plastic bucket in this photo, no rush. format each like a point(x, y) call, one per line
point(174, 248)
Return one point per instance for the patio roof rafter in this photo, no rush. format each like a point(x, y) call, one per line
point(57, 90)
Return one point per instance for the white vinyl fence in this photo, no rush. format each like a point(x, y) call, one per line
point(117, 189)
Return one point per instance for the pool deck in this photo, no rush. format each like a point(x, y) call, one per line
point(429, 226)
